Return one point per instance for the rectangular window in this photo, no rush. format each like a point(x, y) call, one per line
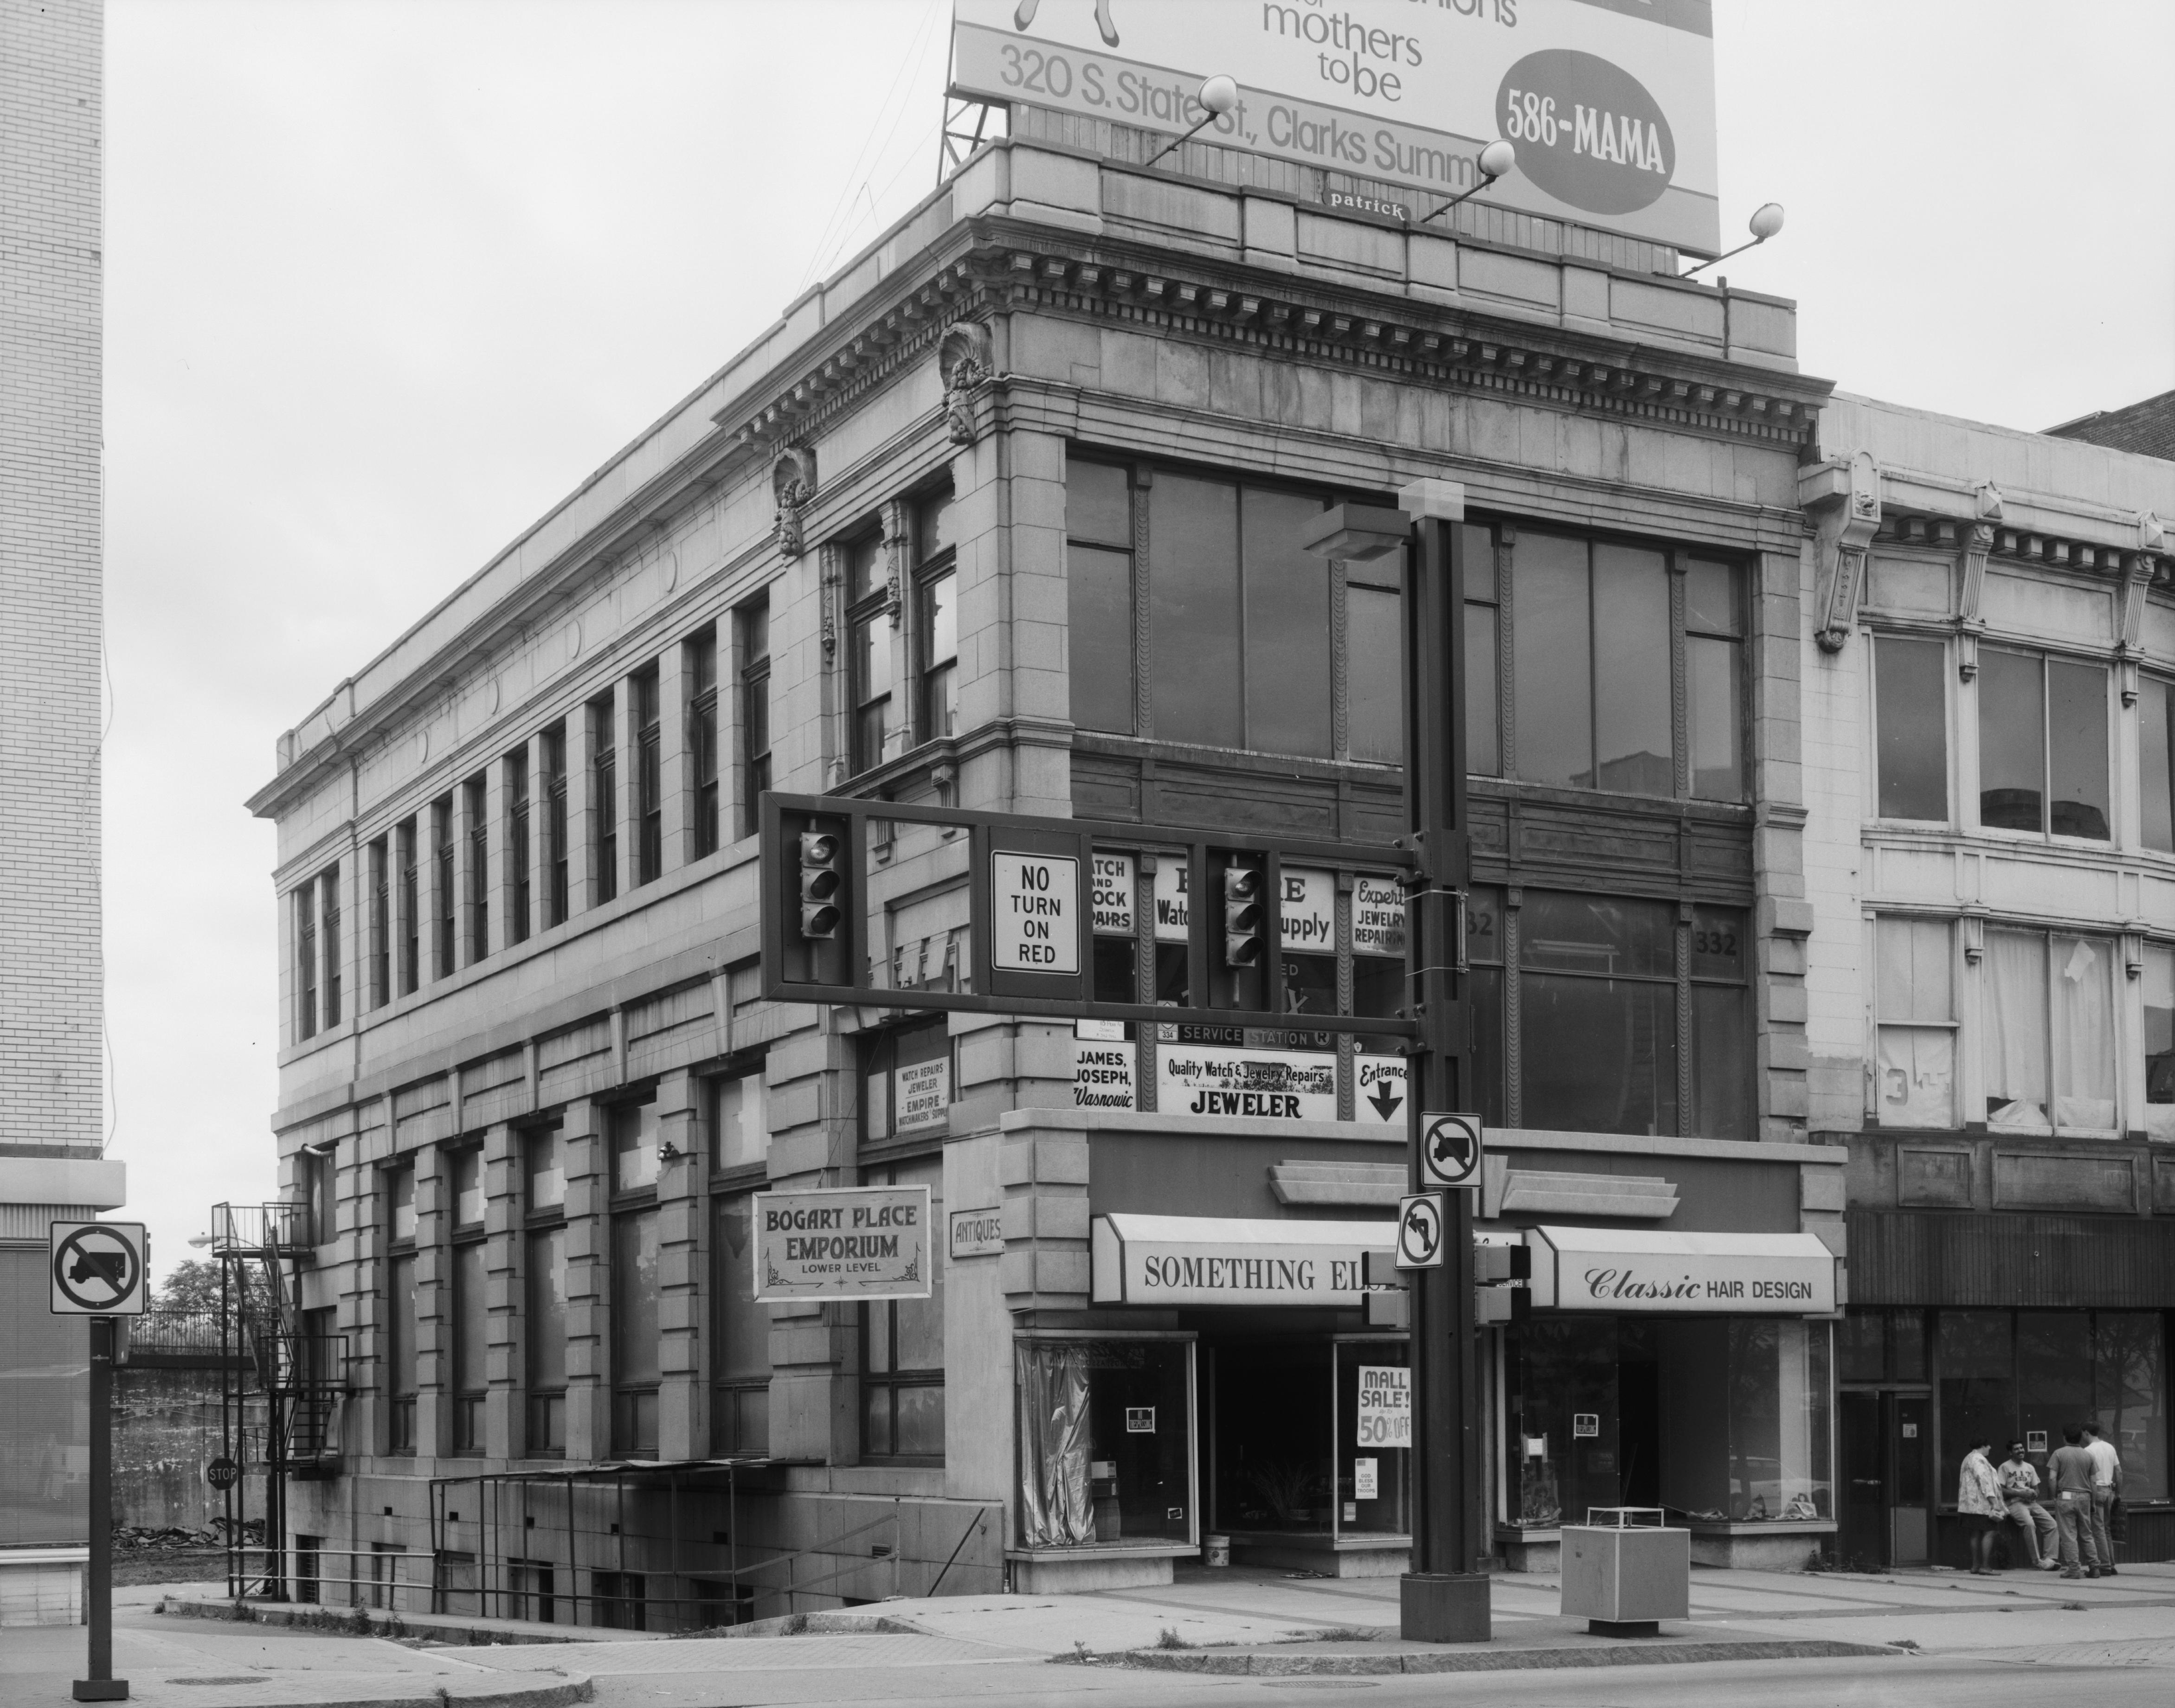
point(318, 1182)
point(903, 1350)
point(604, 799)
point(1714, 645)
point(1196, 687)
point(1597, 1013)
point(1721, 1033)
point(1914, 1015)
point(2159, 1041)
point(739, 1416)
point(2049, 1045)
point(752, 620)
point(1552, 665)
point(305, 960)
point(445, 903)
point(335, 942)
point(381, 923)
point(464, 1177)
point(545, 1322)
point(543, 1172)
point(471, 1346)
point(936, 618)
point(648, 776)
point(1099, 593)
point(400, 1203)
point(1910, 689)
point(404, 841)
point(868, 649)
point(699, 663)
point(637, 1370)
point(552, 750)
point(634, 1142)
point(1087, 1473)
point(739, 1134)
point(1484, 740)
point(2156, 761)
point(475, 805)
point(2043, 740)
point(519, 902)
point(1288, 630)
point(906, 1080)
point(1375, 691)
point(400, 1379)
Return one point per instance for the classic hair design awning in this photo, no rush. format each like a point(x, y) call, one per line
point(1654, 1273)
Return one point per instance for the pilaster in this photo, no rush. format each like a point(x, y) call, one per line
point(675, 782)
point(501, 1177)
point(682, 1416)
point(583, 1147)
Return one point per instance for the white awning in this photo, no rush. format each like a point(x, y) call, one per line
point(1649, 1272)
point(1222, 1260)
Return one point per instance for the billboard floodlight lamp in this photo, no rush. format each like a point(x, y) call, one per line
point(1219, 94)
point(1766, 220)
point(1496, 160)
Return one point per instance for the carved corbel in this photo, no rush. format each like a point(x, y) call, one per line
point(1844, 503)
point(1977, 541)
point(2129, 651)
point(827, 603)
point(793, 484)
point(964, 358)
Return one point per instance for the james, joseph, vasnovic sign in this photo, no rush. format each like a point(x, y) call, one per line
point(1609, 105)
point(844, 1242)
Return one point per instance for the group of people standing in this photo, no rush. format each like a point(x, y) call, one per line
point(2083, 1477)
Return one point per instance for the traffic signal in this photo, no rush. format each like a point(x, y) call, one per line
point(822, 883)
point(1245, 908)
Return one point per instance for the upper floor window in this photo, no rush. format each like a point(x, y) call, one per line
point(407, 857)
point(2049, 1049)
point(2156, 759)
point(441, 886)
point(936, 615)
point(519, 901)
point(1910, 725)
point(2160, 1041)
point(753, 622)
point(475, 807)
point(604, 799)
point(1914, 1016)
point(740, 1128)
point(648, 776)
point(305, 960)
point(868, 649)
point(381, 922)
point(2042, 745)
point(551, 751)
point(700, 663)
point(1098, 592)
point(906, 1080)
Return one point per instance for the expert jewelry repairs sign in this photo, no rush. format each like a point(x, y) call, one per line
point(848, 1242)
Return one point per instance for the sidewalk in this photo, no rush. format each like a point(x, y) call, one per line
point(1222, 1622)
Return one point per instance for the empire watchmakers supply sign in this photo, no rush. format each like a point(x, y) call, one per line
point(1609, 103)
point(848, 1242)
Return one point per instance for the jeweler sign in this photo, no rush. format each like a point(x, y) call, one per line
point(1610, 105)
point(847, 1242)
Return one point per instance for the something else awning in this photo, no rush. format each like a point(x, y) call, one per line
point(1223, 1259)
point(1649, 1272)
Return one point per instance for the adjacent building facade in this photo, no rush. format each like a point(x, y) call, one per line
point(1987, 665)
point(52, 1127)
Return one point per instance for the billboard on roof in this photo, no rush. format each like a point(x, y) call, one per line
point(1608, 103)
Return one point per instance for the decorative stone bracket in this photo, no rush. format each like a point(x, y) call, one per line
point(964, 358)
point(1844, 499)
point(792, 483)
point(1977, 542)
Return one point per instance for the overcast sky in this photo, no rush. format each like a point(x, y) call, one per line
point(386, 277)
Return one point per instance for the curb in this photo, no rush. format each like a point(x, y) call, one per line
point(1485, 1660)
point(451, 1631)
point(480, 1692)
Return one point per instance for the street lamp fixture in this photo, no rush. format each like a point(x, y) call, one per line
point(1766, 221)
point(1219, 94)
point(1496, 160)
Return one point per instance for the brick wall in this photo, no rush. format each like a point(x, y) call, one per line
point(51, 122)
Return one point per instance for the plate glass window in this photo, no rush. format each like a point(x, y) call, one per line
point(868, 649)
point(936, 615)
point(752, 622)
point(903, 1349)
point(1911, 718)
point(1098, 579)
point(2042, 745)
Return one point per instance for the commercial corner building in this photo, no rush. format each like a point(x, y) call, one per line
point(1990, 861)
point(52, 1137)
point(1006, 516)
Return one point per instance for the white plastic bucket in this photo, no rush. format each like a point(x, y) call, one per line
point(1216, 1550)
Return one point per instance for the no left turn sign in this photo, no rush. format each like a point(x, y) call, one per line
point(1420, 1222)
point(97, 1269)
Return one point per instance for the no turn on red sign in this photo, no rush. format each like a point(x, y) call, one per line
point(1035, 903)
point(98, 1268)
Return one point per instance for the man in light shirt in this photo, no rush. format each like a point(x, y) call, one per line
point(2070, 1471)
point(2107, 1481)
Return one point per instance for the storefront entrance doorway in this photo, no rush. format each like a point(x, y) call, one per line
point(1887, 1455)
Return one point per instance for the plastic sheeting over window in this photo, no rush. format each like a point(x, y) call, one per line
point(1054, 1506)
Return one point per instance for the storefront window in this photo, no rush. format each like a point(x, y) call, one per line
point(1745, 1420)
point(1374, 1433)
point(1105, 1441)
point(1578, 1435)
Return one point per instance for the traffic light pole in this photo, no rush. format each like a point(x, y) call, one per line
point(1443, 1599)
point(101, 1686)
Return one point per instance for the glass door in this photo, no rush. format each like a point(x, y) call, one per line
point(1909, 1477)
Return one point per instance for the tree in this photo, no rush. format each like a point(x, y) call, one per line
point(193, 1284)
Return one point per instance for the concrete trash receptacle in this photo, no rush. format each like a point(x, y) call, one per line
point(1624, 1572)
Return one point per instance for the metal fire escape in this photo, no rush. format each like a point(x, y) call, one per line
point(293, 1382)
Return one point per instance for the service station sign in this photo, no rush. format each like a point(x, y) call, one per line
point(1609, 105)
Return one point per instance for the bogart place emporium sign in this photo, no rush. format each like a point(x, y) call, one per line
point(848, 1242)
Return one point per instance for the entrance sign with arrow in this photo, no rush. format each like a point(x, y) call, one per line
point(1450, 1150)
point(1378, 1090)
